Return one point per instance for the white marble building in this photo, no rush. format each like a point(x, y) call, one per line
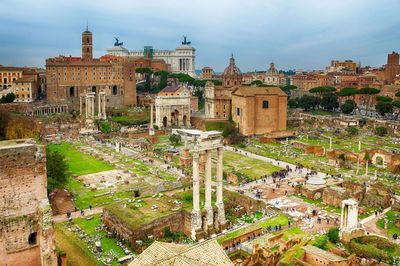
point(181, 60)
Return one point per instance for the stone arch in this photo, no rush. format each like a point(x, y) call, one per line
point(165, 121)
point(184, 120)
point(114, 90)
point(175, 118)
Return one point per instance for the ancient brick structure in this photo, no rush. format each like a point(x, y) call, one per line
point(26, 228)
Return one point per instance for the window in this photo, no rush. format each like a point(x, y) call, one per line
point(114, 90)
point(32, 239)
point(238, 111)
point(265, 104)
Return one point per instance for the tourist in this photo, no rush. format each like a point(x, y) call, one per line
point(82, 212)
point(289, 224)
point(90, 207)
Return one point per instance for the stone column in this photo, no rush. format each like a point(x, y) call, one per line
point(100, 110)
point(151, 127)
point(220, 201)
point(196, 214)
point(207, 183)
point(104, 106)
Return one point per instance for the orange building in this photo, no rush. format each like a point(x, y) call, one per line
point(392, 68)
point(69, 77)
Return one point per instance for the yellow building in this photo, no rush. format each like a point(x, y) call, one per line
point(25, 88)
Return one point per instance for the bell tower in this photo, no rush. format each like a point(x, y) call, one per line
point(87, 45)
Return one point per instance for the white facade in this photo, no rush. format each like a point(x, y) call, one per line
point(181, 60)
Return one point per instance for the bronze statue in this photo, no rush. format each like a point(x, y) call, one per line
point(117, 43)
point(184, 40)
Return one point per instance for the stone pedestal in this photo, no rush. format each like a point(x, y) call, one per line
point(196, 224)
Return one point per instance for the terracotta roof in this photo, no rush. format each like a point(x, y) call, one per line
point(26, 79)
point(253, 91)
point(160, 253)
point(170, 88)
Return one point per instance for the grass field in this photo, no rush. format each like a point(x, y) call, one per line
point(70, 243)
point(391, 227)
point(78, 162)
point(252, 168)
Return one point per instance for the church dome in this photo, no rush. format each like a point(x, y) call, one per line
point(232, 69)
point(272, 70)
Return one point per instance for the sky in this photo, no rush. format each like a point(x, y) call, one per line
point(294, 34)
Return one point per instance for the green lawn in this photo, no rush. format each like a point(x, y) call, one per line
point(252, 168)
point(391, 227)
point(278, 220)
point(80, 163)
point(216, 125)
point(70, 240)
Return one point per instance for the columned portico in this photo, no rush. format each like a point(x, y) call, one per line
point(205, 144)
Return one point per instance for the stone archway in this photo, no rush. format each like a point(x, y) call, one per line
point(184, 120)
point(175, 118)
point(165, 121)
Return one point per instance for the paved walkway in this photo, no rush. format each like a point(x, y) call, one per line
point(63, 217)
point(369, 223)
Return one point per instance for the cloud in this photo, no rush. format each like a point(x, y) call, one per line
point(295, 34)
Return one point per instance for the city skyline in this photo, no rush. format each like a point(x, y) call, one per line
point(303, 34)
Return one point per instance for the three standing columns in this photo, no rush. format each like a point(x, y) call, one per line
point(196, 212)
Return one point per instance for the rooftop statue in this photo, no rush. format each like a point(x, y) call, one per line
point(185, 42)
point(117, 43)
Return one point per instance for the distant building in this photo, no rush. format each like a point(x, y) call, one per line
point(218, 99)
point(392, 68)
point(26, 88)
point(259, 110)
point(272, 76)
point(207, 253)
point(181, 60)
point(69, 77)
point(347, 66)
point(207, 73)
point(173, 106)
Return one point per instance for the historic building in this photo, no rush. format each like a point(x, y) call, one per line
point(181, 60)
point(218, 99)
point(272, 76)
point(26, 89)
point(69, 77)
point(259, 110)
point(392, 68)
point(207, 73)
point(26, 226)
point(347, 66)
point(173, 107)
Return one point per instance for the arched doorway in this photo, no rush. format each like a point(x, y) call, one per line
point(114, 90)
point(175, 118)
point(165, 121)
point(93, 88)
point(184, 120)
point(71, 92)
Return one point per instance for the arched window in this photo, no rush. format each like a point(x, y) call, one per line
point(114, 90)
point(71, 92)
point(87, 49)
point(265, 104)
point(32, 239)
point(5, 80)
point(94, 89)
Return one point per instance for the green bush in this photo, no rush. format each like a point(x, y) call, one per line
point(368, 251)
point(352, 130)
point(105, 127)
point(333, 235)
point(321, 242)
point(381, 131)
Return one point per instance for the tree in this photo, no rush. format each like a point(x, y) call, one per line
point(352, 130)
point(175, 139)
point(288, 88)
point(368, 92)
point(333, 235)
point(397, 94)
point(8, 98)
point(322, 90)
point(256, 82)
point(199, 94)
point(383, 108)
point(381, 131)
point(57, 170)
point(381, 98)
point(348, 107)
point(329, 101)
point(396, 105)
point(308, 102)
point(293, 102)
point(348, 91)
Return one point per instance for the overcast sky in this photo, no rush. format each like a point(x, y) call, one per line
point(295, 34)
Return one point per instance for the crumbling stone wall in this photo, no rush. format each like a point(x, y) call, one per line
point(26, 231)
point(377, 195)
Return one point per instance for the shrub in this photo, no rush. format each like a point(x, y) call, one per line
point(321, 242)
point(333, 235)
point(352, 130)
point(381, 131)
